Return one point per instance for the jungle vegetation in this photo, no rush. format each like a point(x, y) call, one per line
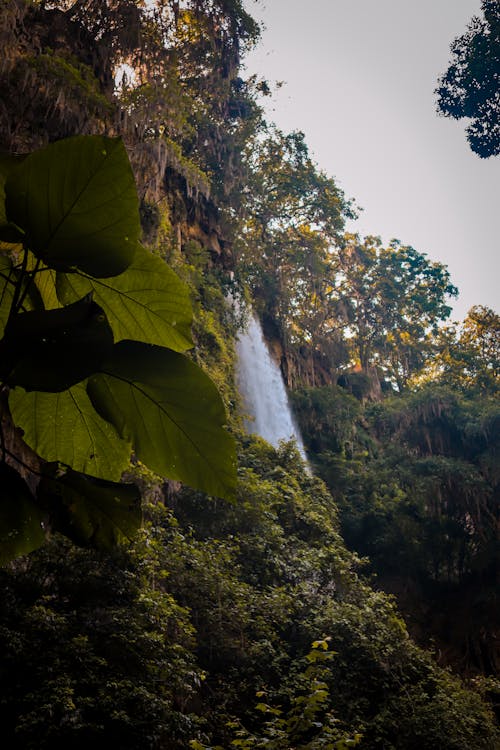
point(249, 613)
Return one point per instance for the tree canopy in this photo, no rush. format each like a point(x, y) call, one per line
point(468, 354)
point(470, 86)
point(394, 299)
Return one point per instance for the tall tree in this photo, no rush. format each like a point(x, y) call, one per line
point(469, 356)
point(294, 214)
point(394, 299)
point(470, 87)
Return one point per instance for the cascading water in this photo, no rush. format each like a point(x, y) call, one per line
point(261, 385)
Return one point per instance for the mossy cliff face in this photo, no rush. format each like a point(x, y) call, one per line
point(66, 69)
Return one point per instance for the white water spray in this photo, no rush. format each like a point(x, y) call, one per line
point(261, 385)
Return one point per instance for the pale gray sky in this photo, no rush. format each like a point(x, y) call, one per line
point(360, 77)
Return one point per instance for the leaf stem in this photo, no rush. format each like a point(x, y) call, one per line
point(31, 275)
point(8, 280)
point(15, 306)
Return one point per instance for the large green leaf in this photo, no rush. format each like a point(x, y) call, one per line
point(21, 519)
point(148, 302)
point(51, 350)
point(65, 427)
point(43, 286)
point(91, 512)
point(77, 203)
point(172, 413)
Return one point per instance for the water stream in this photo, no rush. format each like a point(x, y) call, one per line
point(261, 385)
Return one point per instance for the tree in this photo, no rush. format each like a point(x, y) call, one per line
point(394, 299)
point(91, 356)
point(334, 300)
point(469, 354)
point(293, 214)
point(470, 86)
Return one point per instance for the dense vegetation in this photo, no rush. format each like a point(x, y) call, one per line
point(250, 623)
point(215, 602)
point(416, 481)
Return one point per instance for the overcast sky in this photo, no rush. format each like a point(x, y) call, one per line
point(359, 80)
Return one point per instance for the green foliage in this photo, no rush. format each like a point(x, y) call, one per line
point(72, 76)
point(147, 302)
point(146, 392)
point(469, 354)
point(65, 427)
point(469, 87)
point(93, 652)
point(77, 204)
point(394, 298)
point(329, 418)
point(294, 213)
point(168, 642)
point(36, 343)
point(74, 205)
point(7, 231)
point(335, 301)
point(267, 576)
point(92, 512)
point(307, 725)
point(418, 494)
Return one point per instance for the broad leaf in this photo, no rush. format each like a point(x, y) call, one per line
point(76, 200)
point(172, 413)
point(148, 302)
point(65, 427)
point(45, 282)
point(43, 287)
point(51, 350)
point(91, 512)
point(21, 519)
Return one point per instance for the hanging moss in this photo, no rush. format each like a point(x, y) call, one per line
point(72, 78)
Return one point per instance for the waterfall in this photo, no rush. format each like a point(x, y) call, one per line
point(263, 391)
